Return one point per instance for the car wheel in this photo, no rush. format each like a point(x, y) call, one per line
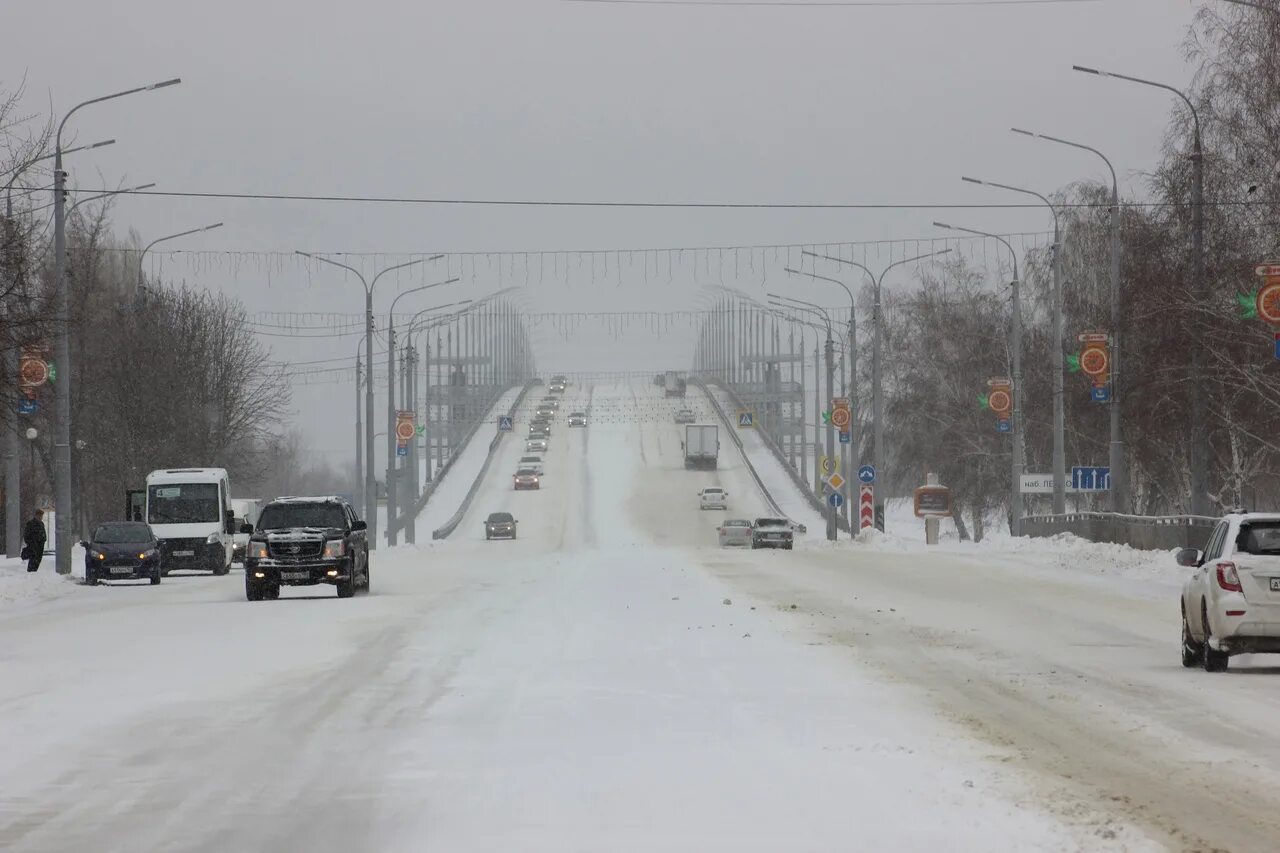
point(1190, 648)
point(90, 579)
point(1213, 660)
point(252, 591)
point(347, 588)
point(272, 592)
point(222, 571)
point(787, 547)
point(155, 578)
point(368, 582)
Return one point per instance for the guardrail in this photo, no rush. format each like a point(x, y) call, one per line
point(449, 526)
point(1148, 532)
point(805, 489)
point(733, 434)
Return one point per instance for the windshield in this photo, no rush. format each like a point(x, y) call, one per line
point(183, 503)
point(286, 515)
point(737, 522)
point(500, 518)
point(1259, 537)
point(772, 522)
point(121, 534)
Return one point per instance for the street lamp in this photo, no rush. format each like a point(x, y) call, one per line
point(1058, 360)
point(393, 503)
point(147, 248)
point(1015, 494)
point(877, 385)
point(1200, 286)
point(1116, 456)
point(370, 483)
point(63, 489)
point(813, 308)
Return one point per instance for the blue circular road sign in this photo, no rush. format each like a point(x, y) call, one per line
point(836, 500)
point(867, 474)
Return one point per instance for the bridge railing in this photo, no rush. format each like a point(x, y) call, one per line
point(1148, 532)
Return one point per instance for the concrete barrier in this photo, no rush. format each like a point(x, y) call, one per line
point(732, 432)
point(1148, 532)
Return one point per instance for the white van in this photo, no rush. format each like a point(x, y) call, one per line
point(246, 512)
point(189, 509)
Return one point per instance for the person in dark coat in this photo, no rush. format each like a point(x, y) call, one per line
point(34, 538)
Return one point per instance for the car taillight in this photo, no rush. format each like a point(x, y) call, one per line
point(1228, 578)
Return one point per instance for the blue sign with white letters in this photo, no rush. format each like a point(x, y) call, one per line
point(1087, 478)
point(867, 474)
point(1004, 425)
point(846, 437)
point(402, 450)
point(1100, 394)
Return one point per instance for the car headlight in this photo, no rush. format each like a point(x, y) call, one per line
point(335, 548)
point(214, 539)
point(257, 550)
point(97, 555)
point(148, 554)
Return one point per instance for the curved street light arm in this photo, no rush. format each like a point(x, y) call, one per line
point(1195, 116)
point(351, 270)
point(1006, 243)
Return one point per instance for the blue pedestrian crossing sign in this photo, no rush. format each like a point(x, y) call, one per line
point(746, 419)
point(836, 500)
point(867, 474)
point(504, 423)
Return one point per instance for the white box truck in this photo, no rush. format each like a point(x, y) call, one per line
point(701, 445)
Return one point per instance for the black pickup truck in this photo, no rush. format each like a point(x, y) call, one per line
point(304, 542)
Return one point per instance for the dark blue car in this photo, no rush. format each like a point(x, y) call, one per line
point(122, 550)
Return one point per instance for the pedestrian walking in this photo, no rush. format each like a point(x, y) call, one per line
point(33, 539)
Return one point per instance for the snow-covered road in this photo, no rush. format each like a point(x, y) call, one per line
point(613, 681)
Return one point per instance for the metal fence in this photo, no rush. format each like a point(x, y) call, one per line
point(1148, 532)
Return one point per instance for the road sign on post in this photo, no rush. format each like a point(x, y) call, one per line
point(746, 419)
point(835, 500)
point(866, 506)
point(1090, 478)
point(1004, 425)
point(402, 449)
point(835, 481)
point(1000, 401)
point(867, 474)
point(405, 429)
point(504, 423)
point(28, 406)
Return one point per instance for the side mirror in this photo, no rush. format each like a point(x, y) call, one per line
point(229, 525)
point(359, 525)
point(246, 528)
point(1188, 557)
point(84, 544)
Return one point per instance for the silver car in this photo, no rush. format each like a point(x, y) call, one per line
point(735, 531)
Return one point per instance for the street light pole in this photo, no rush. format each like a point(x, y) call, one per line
point(63, 489)
point(1058, 363)
point(877, 385)
point(370, 483)
point(147, 248)
point(12, 439)
point(1199, 462)
point(1116, 456)
point(831, 372)
point(1018, 454)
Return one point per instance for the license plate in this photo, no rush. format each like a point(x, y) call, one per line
point(184, 553)
point(295, 576)
point(1275, 584)
point(121, 570)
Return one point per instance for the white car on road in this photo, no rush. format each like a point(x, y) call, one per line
point(536, 445)
point(1231, 603)
point(532, 462)
point(713, 498)
point(734, 531)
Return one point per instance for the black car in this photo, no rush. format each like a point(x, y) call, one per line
point(121, 550)
point(500, 525)
point(304, 542)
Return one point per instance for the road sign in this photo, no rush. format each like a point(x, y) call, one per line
point(1100, 394)
point(866, 506)
point(1268, 270)
point(404, 425)
point(932, 502)
point(402, 450)
point(841, 418)
point(846, 438)
point(835, 481)
point(1000, 401)
point(828, 464)
point(826, 417)
point(835, 500)
point(1004, 425)
point(1094, 360)
point(1278, 346)
point(746, 419)
point(422, 429)
point(504, 423)
point(28, 406)
point(867, 474)
point(1039, 484)
point(1088, 478)
point(1268, 302)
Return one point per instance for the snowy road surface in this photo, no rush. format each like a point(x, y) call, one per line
point(613, 681)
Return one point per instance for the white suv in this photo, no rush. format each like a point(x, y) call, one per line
point(713, 498)
point(1231, 604)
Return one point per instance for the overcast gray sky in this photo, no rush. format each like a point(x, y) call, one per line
point(541, 99)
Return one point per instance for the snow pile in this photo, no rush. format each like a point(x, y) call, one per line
point(20, 588)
